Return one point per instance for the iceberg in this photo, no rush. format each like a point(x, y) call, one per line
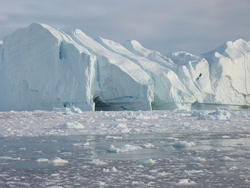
point(42, 68)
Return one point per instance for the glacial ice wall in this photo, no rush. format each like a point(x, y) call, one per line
point(42, 67)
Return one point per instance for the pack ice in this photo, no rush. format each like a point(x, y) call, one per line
point(42, 67)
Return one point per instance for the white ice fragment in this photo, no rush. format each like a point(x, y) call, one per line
point(113, 169)
point(76, 110)
point(190, 172)
point(140, 166)
point(114, 137)
point(135, 182)
point(185, 182)
point(9, 158)
point(226, 158)
point(125, 148)
point(42, 160)
point(147, 145)
point(105, 170)
point(113, 149)
point(198, 159)
point(86, 144)
point(233, 168)
point(81, 144)
point(97, 162)
point(163, 173)
point(58, 161)
point(180, 144)
point(146, 161)
point(100, 184)
point(225, 137)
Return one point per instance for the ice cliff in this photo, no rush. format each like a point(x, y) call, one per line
point(42, 67)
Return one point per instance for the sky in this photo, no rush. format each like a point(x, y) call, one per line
point(194, 26)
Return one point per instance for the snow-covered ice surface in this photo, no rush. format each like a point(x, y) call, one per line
point(70, 148)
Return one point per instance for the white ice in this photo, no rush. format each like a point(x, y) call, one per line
point(44, 68)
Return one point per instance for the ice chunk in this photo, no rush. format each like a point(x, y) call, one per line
point(180, 144)
point(125, 148)
point(58, 161)
point(146, 145)
point(96, 162)
point(146, 161)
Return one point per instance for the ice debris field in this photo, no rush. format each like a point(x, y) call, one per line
point(42, 67)
point(72, 148)
point(73, 121)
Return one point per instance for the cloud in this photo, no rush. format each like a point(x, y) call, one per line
point(195, 26)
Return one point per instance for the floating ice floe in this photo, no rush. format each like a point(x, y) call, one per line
point(125, 148)
point(81, 144)
point(58, 161)
point(96, 162)
point(114, 137)
point(163, 173)
point(100, 184)
point(225, 137)
point(10, 158)
point(190, 172)
point(181, 144)
point(113, 169)
point(42, 160)
point(147, 145)
point(226, 158)
point(198, 159)
point(185, 182)
point(146, 161)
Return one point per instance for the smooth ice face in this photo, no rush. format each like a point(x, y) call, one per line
point(42, 67)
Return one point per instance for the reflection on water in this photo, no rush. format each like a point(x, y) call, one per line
point(218, 158)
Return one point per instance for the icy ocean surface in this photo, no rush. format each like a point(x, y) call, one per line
point(179, 148)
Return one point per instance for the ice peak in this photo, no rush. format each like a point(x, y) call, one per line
point(230, 49)
point(134, 43)
point(135, 47)
point(78, 32)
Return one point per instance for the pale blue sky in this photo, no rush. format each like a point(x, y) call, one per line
point(195, 26)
